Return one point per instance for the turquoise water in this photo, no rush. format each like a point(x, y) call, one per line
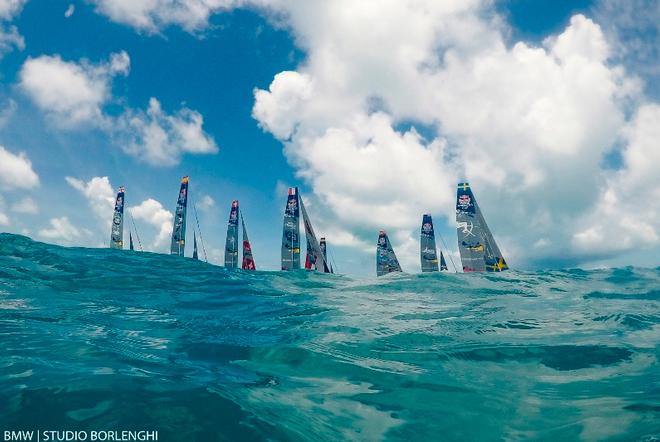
point(95, 339)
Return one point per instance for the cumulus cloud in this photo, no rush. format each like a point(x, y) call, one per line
point(153, 213)
point(150, 16)
point(627, 213)
point(26, 205)
point(16, 171)
point(62, 231)
point(99, 194)
point(72, 93)
point(528, 125)
point(10, 8)
point(73, 96)
point(160, 139)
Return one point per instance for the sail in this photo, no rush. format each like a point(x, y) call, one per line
point(386, 261)
point(248, 259)
point(314, 258)
point(117, 232)
point(130, 239)
point(179, 229)
point(231, 244)
point(443, 263)
point(291, 232)
point(427, 250)
point(195, 256)
point(327, 268)
point(476, 244)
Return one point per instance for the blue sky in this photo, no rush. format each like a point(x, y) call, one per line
point(294, 95)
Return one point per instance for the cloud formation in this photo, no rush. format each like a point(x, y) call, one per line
point(153, 213)
point(73, 96)
point(16, 171)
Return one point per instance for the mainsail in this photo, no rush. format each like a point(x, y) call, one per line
point(386, 261)
point(117, 232)
point(130, 239)
point(231, 244)
point(195, 256)
point(179, 229)
point(476, 244)
point(291, 232)
point(248, 260)
point(314, 258)
point(327, 268)
point(427, 250)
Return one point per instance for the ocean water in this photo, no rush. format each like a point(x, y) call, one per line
point(94, 339)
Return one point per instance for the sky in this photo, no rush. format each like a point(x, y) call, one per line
point(374, 109)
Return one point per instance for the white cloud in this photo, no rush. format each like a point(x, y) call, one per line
point(159, 138)
point(151, 15)
point(627, 214)
point(99, 194)
point(527, 125)
point(10, 39)
point(61, 231)
point(11, 8)
point(7, 112)
point(72, 94)
point(26, 205)
point(16, 171)
point(205, 203)
point(70, 10)
point(153, 213)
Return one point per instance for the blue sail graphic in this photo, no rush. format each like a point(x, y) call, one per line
point(231, 243)
point(117, 231)
point(386, 261)
point(476, 244)
point(179, 228)
point(291, 232)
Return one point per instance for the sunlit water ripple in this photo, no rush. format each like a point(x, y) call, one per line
point(101, 339)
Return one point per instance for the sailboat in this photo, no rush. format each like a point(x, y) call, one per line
point(314, 258)
point(327, 268)
point(130, 238)
point(476, 244)
point(231, 244)
point(179, 229)
point(427, 249)
point(386, 261)
point(195, 256)
point(117, 231)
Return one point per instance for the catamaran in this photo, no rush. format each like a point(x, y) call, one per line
point(117, 231)
point(195, 255)
point(427, 250)
point(231, 243)
point(179, 228)
point(386, 261)
point(314, 258)
point(476, 244)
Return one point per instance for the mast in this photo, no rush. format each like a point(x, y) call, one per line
point(179, 228)
point(231, 243)
point(427, 250)
point(476, 244)
point(386, 261)
point(248, 260)
point(194, 246)
point(130, 238)
point(291, 232)
point(117, 231)
point(314, 252)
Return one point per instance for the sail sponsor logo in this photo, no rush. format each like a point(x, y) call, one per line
point(474, 247)
point(427, 227)
point(467, 228)
point(464, 201)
